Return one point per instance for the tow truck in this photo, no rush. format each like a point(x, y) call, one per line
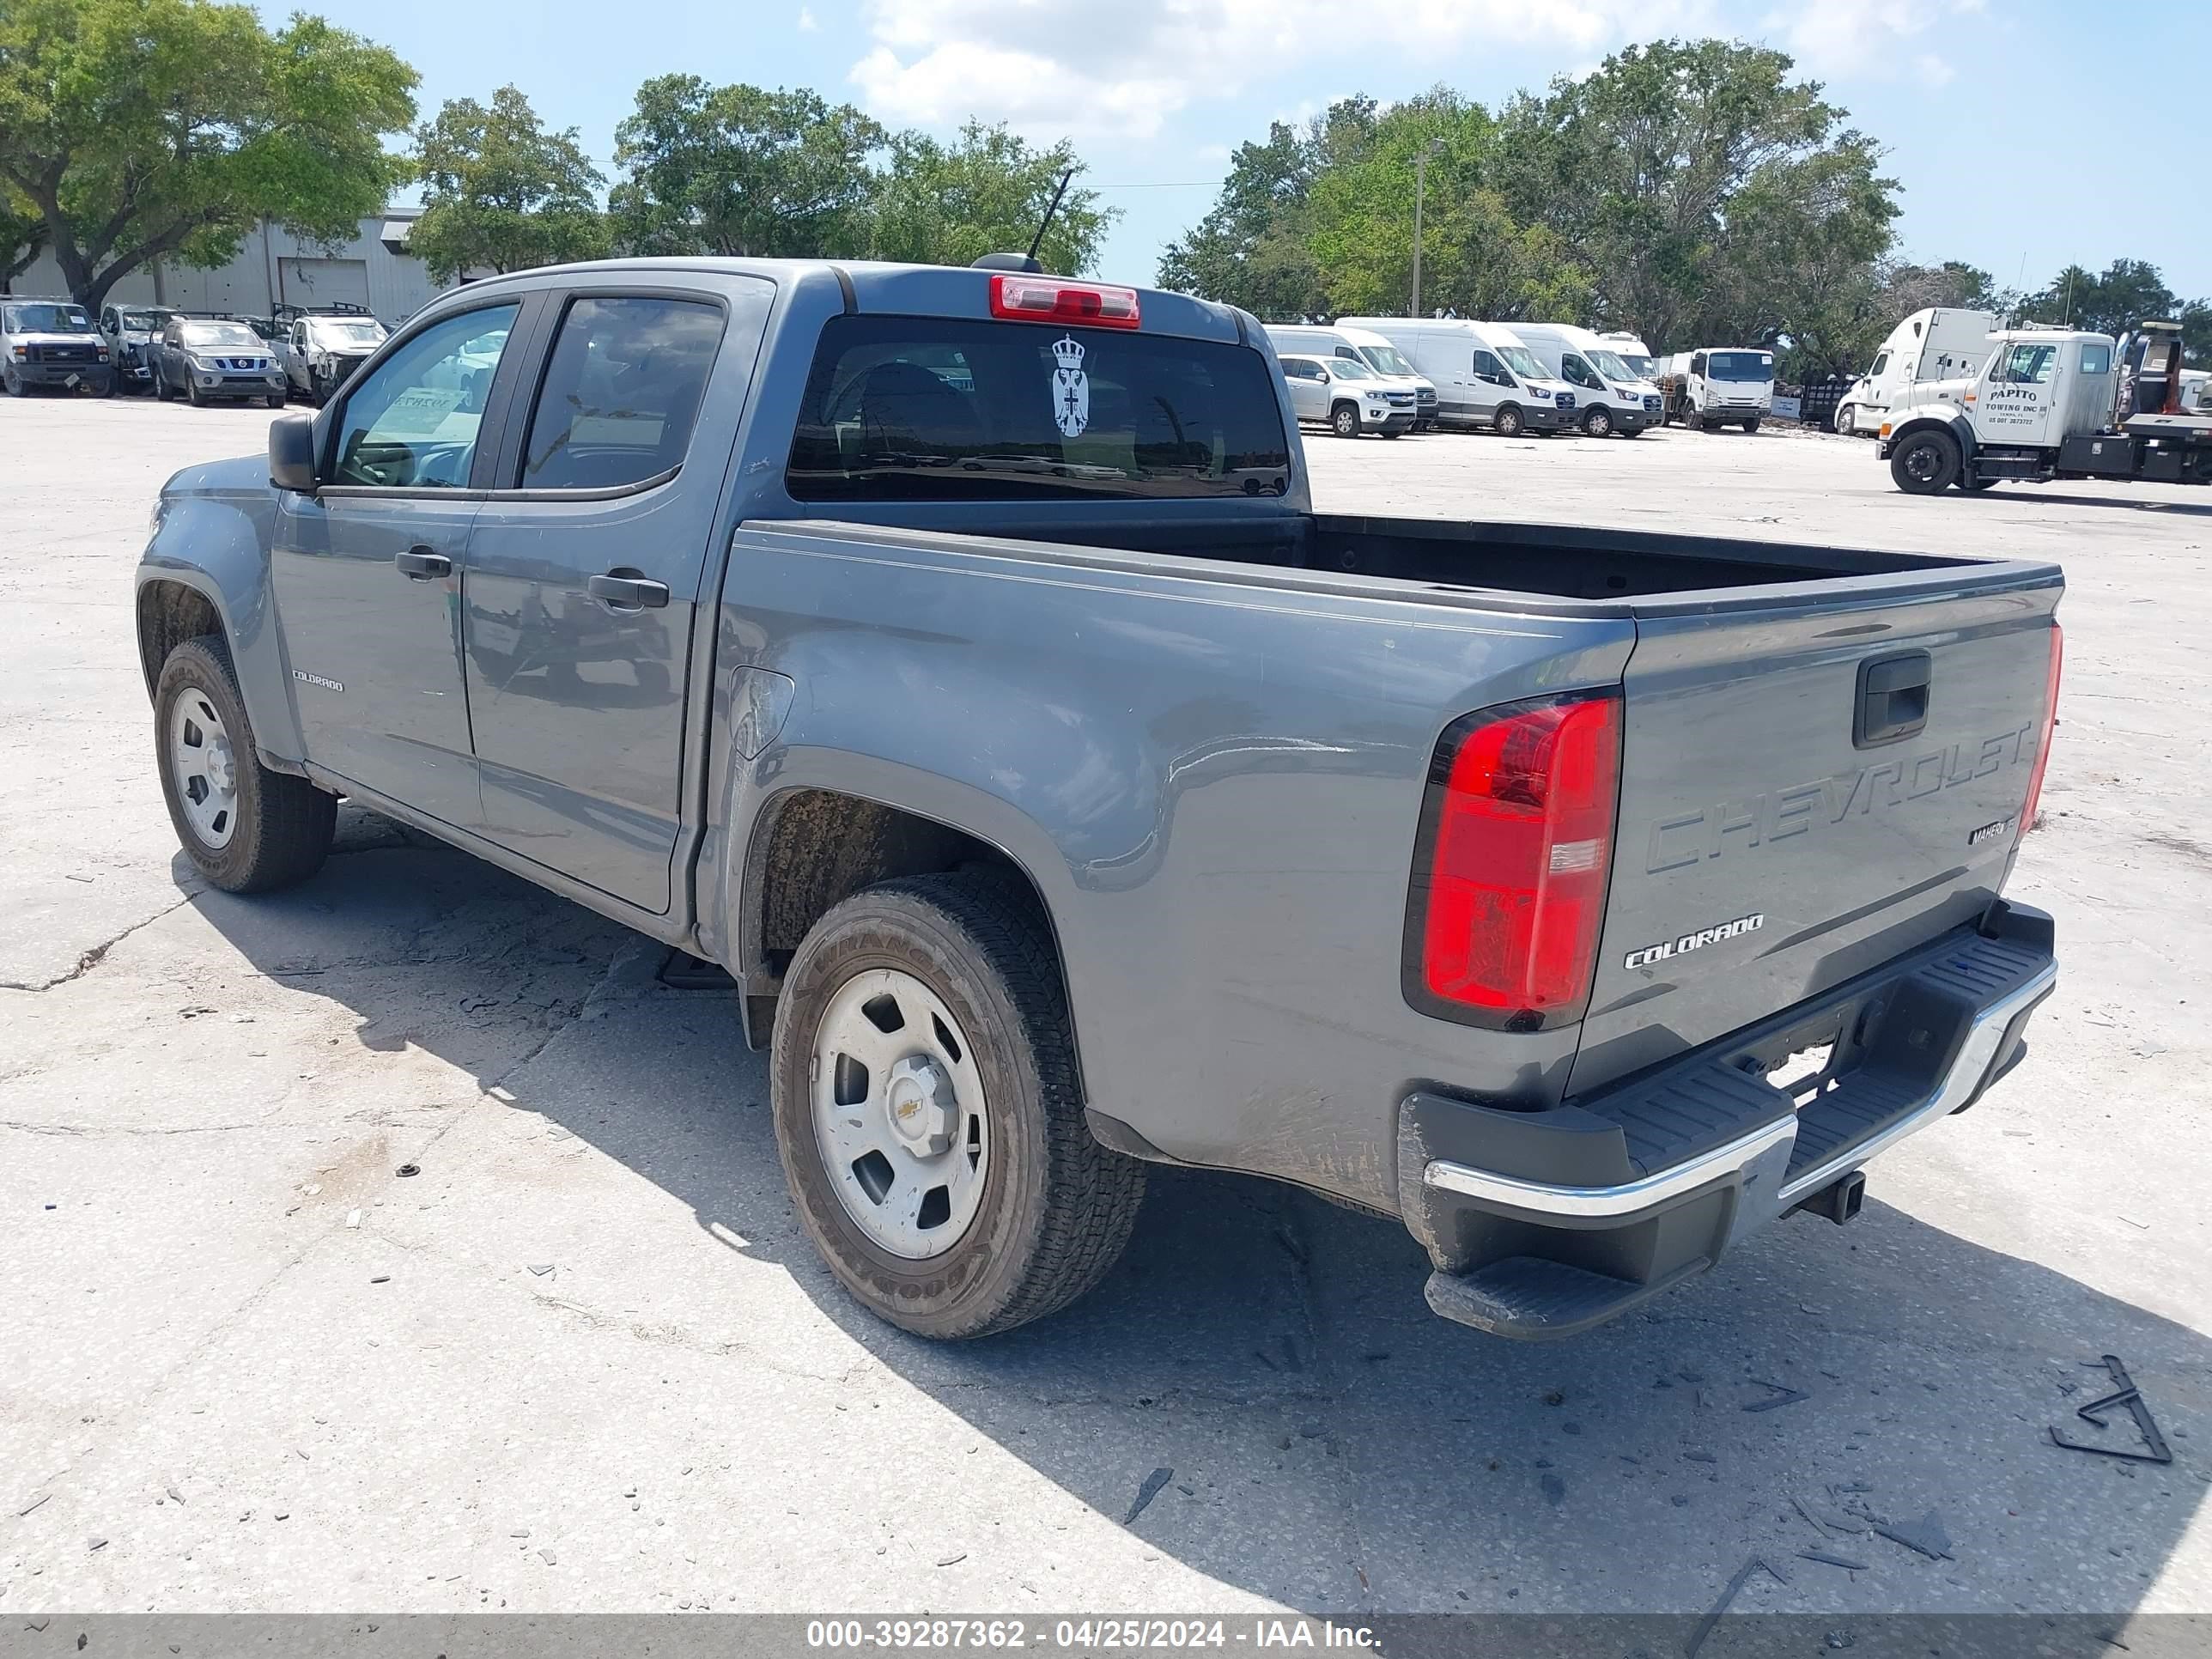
point(2046, 406)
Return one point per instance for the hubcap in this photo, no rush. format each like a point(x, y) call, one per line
point(1920, 462)
point(898, 1114)
point(204, 767)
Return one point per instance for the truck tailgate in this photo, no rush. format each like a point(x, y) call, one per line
point(1808, 789)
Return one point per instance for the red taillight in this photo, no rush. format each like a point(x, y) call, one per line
point(1051, 300)
point(1509, 877)
point(2050, 726)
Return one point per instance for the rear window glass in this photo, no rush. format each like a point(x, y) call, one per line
point(933, 408)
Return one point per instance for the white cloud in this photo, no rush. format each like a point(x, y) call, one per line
point(1049, 69)
point(806, 23)
point(1869, 39)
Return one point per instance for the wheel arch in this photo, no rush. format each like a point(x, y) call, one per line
point(811, 847)
point(1954, 426)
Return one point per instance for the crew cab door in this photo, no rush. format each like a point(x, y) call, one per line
point(585, 569)
point(368, 570)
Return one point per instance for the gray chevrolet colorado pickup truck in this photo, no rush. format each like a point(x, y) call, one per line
point(957, 658)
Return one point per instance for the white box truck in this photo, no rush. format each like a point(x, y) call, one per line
point(1719, 386)
point(1484, 374)
point(1631, 351)
point(1608, 397)
point(1317, 340)
point(1934, 344)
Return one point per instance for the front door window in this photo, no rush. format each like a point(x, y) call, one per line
point(413, 424)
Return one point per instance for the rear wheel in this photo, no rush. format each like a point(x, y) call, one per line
point(160, 384)
point(247, 829)
point(1597, 422)
point(1507, 421)
point(1924, 463)
point(1344, 421)
point(928, 1113)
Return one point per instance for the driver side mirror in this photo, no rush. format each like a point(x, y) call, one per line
point(1322, 375)
point(292, 453)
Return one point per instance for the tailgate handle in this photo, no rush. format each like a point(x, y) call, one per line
point(1892, 702)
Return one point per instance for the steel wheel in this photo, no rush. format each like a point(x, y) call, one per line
point(898, 1114)
point(1507, 421)
point(1598, 424)
point(205, 768)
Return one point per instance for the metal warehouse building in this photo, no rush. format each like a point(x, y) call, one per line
point(274, 268)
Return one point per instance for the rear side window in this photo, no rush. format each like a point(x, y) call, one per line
point(935, 409)
point(2096, 358)
point(621, 391)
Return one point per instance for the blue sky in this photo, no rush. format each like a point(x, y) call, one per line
point(1991, 110)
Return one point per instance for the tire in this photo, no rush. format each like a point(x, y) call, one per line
point(160, 384)
point(1631, 431)
point(279, 827)
point(1507, 421)
point(274, 400)
point(1924, 463)
point(1691, 420)
point(192, 393)
point(1752, 425)
point(1847, 421)
point(1055, 1209)
point(14, 384)
point(1344, 421)
point(1386, 432)
point(1597, 422)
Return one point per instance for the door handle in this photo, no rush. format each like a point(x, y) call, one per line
point(420, 564)
point(628, 592)
point(1892, 698)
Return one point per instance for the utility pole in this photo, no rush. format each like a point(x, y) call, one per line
point(1420, 186)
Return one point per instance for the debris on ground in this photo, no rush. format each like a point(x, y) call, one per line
point(353, 1218)
point(541, 1270)
point(1756, 1564)
point(1823, 1557)
point(2125, 1395)
point(1145, 1493)
point(406, 1169)
point(1925, 1535)
point(380, 1279)
point(548, 1558)
point(952, 1560)
point(34, 1503)
point(1782, 1396)
point(1699, 1457)
point(95, 1543)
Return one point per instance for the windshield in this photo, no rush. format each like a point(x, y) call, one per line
point(1739, 365)
point(146, 322)
point(944, 408)
point(220, 334)
point(1610, 366)
point(1385, 360)
point(1351, 369)
point(1638, 365)
point(347, 333)
point(48, 320)
point(1522, 361)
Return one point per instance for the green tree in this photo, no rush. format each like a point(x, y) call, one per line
point(1677, 166)
point(140, 130)
point(1252, 249)
point(2127, 292)
point(501, 191)
point(949, 204)
point(1477, 258)
point(738, 170)
point(22, 235)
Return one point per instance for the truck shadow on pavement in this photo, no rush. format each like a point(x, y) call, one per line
point(1325, 1440)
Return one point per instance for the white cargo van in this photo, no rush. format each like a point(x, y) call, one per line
point(1608, 397)
point(1717, 386)
point(1631, 351)
point(1485, 376)
point(1935, 344)
point(1362, 346)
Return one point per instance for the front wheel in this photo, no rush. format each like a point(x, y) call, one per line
point(1924, 463)
point(245, 827)
point(193, 394)
point(1597, 422)
point(161, 386)
point(1507, 421)
point(926, 1110)
point(1847, 421)
point(13, 383)
point(1344, 421)
point(1752, 425)
point(275, 400)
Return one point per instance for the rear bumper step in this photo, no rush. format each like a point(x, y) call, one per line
point(1543, 1224)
